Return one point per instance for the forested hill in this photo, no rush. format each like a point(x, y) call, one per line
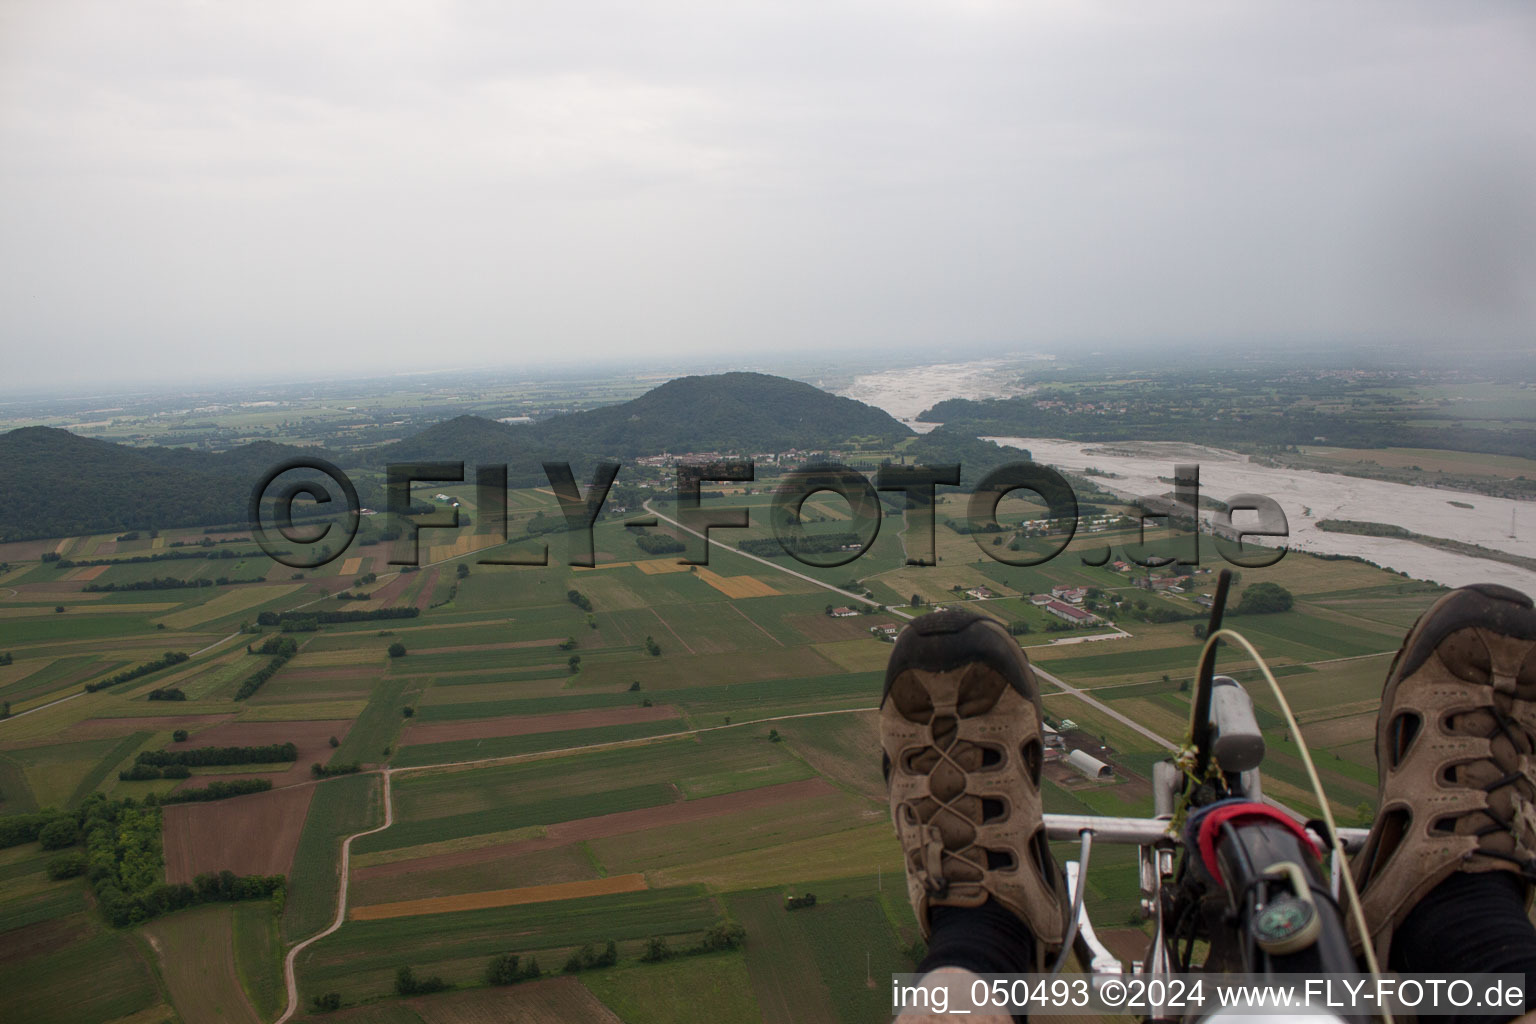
point(58, 483)
point(741, 412)
point(738, 413)
point(475, 441)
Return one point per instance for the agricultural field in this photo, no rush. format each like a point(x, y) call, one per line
point(639, 750)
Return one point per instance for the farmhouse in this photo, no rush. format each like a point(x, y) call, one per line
point(1039, 600)
point(1071, 594)
point(843, 612)
point(1089, 765)
point(1076, 616)
point(887, 630)
point(980, 593)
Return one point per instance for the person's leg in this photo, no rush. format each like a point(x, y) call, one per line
point(960, 724)
point(1445, 874)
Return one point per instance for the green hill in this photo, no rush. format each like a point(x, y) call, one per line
point(728, 412)
point(737, 413)
point(59, 483)
point(476, 441)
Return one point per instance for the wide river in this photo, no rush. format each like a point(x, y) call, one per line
point(1305, 496)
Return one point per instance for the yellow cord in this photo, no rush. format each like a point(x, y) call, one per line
point(1317, 788)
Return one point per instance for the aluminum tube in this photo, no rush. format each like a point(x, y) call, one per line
point(1141, 831)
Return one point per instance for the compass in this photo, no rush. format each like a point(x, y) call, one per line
point(1285, 926)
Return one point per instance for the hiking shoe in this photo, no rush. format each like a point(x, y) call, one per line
point(960, 731)
point(1454, 744)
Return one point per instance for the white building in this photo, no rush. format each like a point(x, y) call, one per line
point(1089, 765)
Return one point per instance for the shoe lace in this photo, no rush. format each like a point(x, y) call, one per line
point(1523, 823)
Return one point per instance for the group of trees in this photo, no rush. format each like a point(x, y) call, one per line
point(122, 857)
point(1264, 599)
point(407, 984)
point(331, 618)
point(160, 556)
point(588, 958)
point(144, 772)
point(281, 648)
point(506, 969)
point(801, 544)
point(203, 756)
point(215, 790)
point(578, 599)
point(166, 583)
point(167, 693)
point(509, 968)
point(326, 771)
point(722, 936)
point(657, 543)
point(166, 660)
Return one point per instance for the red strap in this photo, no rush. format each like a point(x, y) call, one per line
point(1210, 827)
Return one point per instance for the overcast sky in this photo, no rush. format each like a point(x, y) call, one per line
point(208, 188)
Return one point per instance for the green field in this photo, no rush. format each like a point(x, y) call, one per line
point(766, 690)
point(340, 807)
point(94, 975)
point(711, 989)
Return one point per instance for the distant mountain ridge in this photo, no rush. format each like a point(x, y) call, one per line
point(60, 483)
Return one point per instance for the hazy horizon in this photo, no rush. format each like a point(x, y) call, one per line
point(198, 195)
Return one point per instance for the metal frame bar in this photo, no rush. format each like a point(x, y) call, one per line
point(1143, 831)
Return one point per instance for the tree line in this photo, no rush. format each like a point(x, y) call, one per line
point(203, 756)
point(328, 618)
point(282, 648)
point(168, 583)
point(166, 660)
point(158, 556)
point(800, 544)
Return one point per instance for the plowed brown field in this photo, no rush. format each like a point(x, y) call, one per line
point(249, 835)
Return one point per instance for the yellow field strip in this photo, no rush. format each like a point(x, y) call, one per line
point(500, 898)
point(661, 565)
point(351, 566)
point(736, 586)
point(227, 603)
point(464, 544)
